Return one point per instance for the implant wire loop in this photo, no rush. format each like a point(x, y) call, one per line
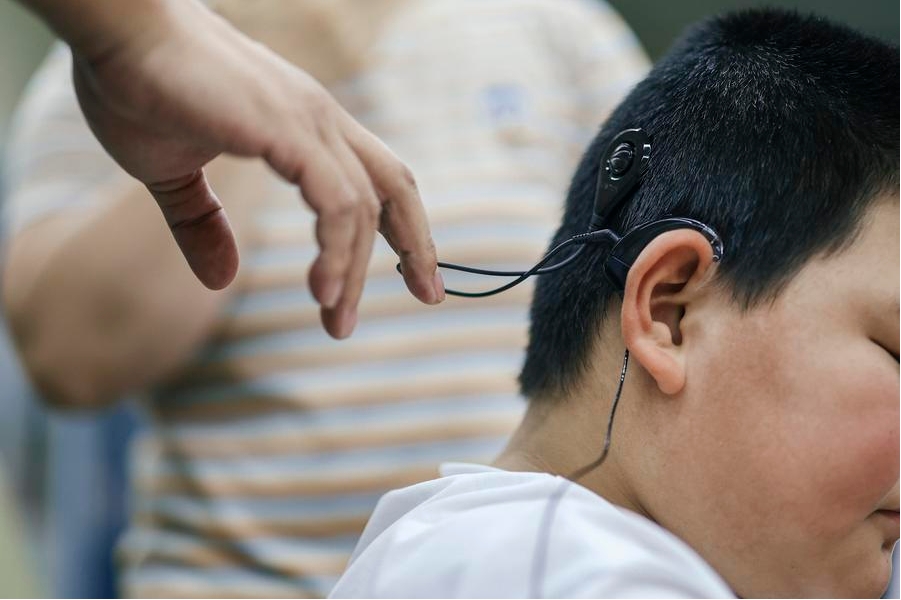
point(581, 240)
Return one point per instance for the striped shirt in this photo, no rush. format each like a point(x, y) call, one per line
point(269, 450)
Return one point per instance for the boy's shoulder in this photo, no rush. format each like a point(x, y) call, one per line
point(480, 531)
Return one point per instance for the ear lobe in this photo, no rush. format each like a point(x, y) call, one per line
point(661, 284)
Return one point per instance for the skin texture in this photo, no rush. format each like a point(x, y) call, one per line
point(766, 439)
point(167, 85)
point(138, 312)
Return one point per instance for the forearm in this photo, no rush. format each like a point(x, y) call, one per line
point(86, 312)
point(105, 306)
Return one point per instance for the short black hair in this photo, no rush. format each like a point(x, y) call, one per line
point(777, 129)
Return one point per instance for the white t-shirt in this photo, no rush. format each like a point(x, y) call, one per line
point(484, 532)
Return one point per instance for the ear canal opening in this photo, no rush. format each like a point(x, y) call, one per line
point(670, 315)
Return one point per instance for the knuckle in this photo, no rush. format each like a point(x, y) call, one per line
point(404, 176)
point(313, 112)
point(343, 205)
point(431, 251)
point(372, 211)
point(317, 110)
point(421, 254)
point(317, 101)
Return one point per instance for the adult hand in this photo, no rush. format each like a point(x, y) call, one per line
point(167, 85)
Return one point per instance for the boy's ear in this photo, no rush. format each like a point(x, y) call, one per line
point(660, 286)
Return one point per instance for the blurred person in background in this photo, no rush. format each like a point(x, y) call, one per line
point(162, 118)
point(16, 567)
point(270, 442)
point(167, 86)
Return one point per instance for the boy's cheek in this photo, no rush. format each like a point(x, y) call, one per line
point(870, 470)
point(812, 468)
point(851, 451)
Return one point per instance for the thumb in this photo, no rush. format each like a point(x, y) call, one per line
point(199, 226)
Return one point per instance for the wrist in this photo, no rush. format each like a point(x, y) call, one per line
point(94, 29)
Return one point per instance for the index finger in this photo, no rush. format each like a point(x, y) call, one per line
point(403, 220)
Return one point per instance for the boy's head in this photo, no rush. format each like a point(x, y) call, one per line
point(760, 416)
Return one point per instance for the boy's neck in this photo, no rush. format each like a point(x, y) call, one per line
point(561, 437)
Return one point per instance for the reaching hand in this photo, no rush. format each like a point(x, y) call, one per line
point(169, 93)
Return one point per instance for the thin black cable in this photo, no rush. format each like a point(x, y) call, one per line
point(495, 273)
point(536, 270)
point(619, 390)
point(539, 560)
point(604, 235)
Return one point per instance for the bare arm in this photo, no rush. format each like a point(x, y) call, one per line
point(102, 306)
point(166, 86)
point(98, 299)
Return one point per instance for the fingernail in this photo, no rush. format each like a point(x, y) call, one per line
point(332, 293)
point(438, 285)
